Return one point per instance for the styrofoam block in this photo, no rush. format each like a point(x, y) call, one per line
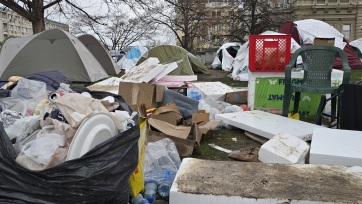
point(213, 90)
point(285, 149)
point(167, 69)
point(336, 147)
point(268, 124)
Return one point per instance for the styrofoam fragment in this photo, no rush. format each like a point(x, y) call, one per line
point(336, 147)
point(284, 148)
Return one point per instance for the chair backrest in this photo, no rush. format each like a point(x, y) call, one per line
point(318, 63)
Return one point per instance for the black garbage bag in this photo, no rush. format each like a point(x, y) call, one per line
point(99, 176)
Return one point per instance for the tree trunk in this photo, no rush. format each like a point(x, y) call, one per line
point(38, 26)
point(38, 16)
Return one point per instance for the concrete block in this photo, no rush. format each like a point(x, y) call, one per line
point(285, 149)
point(336, 147)
point(223, 182)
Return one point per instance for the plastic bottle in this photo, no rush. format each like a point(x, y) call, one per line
point(195, 94)
point(150, 190)
point(165, 184)
point(138, 199)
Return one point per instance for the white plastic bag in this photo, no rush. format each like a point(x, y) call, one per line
point(31, 92)
point(42, 148)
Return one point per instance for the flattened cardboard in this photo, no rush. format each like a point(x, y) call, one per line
point(184, 147)
point(208, 128)
point(169, 129)
point(136, 93)
point(200, 117)
point(237, 97)
point(168, 113)
point(170, 117)
point(184, 137)
point(324, 41)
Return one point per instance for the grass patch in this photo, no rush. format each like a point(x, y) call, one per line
point(223, 138)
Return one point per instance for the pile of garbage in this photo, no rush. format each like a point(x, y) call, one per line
point(40, 124)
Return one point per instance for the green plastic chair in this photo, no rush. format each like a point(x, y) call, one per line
point(317, 65)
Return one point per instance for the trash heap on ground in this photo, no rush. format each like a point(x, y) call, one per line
point(61, 143)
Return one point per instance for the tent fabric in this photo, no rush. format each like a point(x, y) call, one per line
point(305, 31)
point(357, 47)
point(186, 61)
point(357, 43)
point(100, 53)
point(130, 59)
point(49, 50)
point(225, 56)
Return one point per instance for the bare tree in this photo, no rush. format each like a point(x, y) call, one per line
point(115, 30)
point(182, 17)
point(252, 17)
point(35, 10)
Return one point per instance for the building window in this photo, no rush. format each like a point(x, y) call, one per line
point(321, 2)
point(346, 31)
point(344, 1)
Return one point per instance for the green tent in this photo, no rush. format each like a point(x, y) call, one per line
point(186, 61)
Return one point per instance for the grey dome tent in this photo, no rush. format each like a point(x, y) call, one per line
point(100, 53)
point(49, 50)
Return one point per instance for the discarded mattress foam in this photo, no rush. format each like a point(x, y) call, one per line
point(212, 89)
point(336, 147)
point(285, 149)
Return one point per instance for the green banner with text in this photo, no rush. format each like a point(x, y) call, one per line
point(269, 94)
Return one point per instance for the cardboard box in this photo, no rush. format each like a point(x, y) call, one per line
point(168, 113)
point(239, 96)
point(136, 93)
point(184, 137)
point(324, 41)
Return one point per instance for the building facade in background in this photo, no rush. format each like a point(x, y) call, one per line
point(14, 25)
point(344, 15)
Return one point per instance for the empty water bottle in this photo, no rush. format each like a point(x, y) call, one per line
point(138, 199)
point(150, 190)
point(195, 94)
point(165, 184)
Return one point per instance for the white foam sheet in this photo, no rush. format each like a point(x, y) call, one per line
point(336, 147)
point(268, 124)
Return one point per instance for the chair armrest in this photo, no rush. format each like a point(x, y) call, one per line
point(345, 66)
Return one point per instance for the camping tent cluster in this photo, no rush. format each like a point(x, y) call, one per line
point(303, 33)
point(82, 59)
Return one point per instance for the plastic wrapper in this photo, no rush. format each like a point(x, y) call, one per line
point(161, 156)
point(99, 176)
